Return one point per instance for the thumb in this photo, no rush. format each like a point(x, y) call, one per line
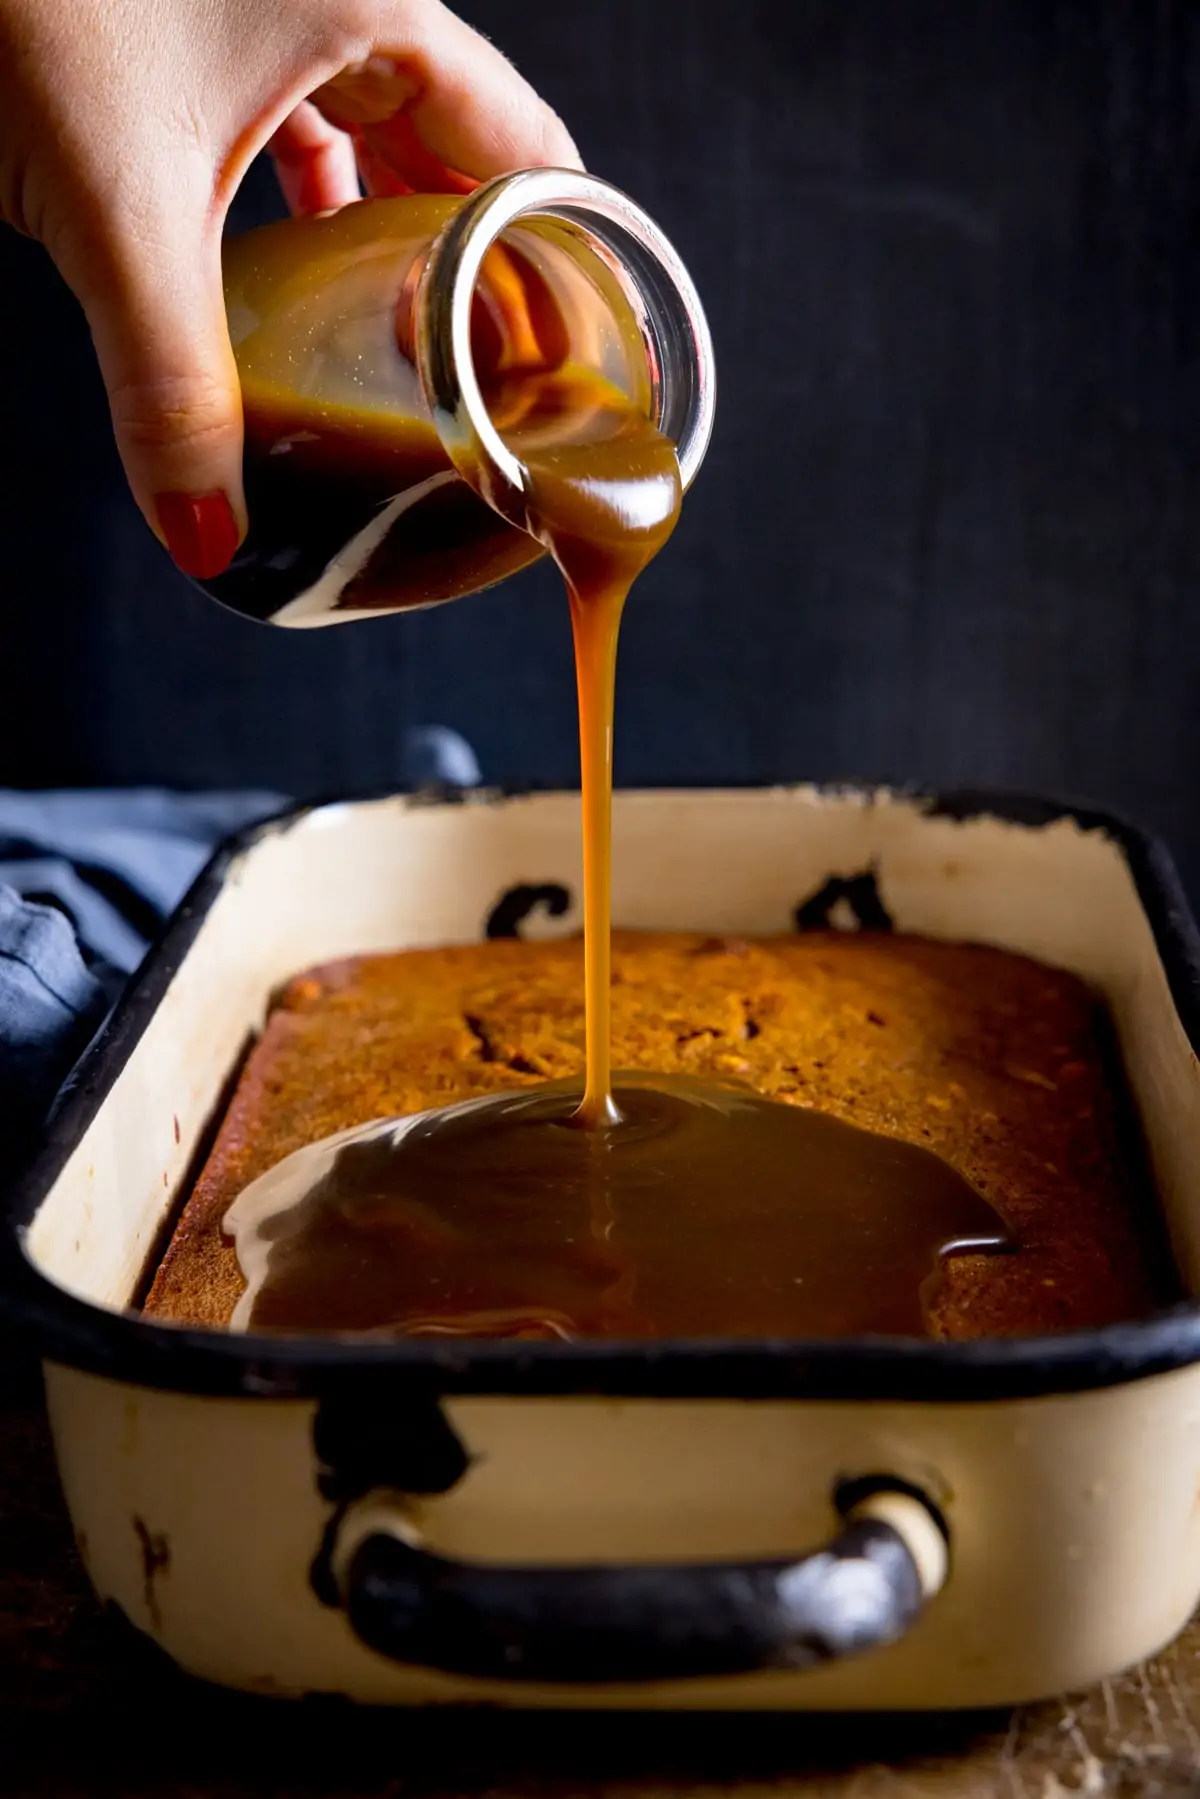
point(156, 310)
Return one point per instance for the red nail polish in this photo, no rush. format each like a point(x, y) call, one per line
point(200, 530)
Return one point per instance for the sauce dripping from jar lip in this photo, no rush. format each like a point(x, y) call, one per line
point(667, 1207)
point(605, 500)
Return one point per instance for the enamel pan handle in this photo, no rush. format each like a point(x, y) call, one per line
point(591, 1625)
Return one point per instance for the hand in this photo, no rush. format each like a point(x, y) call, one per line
point(125, 128)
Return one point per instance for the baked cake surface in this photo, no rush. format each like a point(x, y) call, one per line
point(996, 1063)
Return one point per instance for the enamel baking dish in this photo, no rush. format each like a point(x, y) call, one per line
point(867, 1524)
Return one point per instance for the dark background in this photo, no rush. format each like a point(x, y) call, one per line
point(947, 530)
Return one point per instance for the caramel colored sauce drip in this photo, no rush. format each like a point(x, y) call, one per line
point(680, 1209)
point(605, 501)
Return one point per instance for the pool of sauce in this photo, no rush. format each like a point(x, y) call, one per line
point(708, 1211)
point(663, 1208)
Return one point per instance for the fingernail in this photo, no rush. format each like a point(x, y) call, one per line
point(200, 530)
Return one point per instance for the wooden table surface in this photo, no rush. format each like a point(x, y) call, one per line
point(81, 1712)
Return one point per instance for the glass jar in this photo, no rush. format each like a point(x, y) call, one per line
point(384, 351)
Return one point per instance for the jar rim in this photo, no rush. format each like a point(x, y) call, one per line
point(670, 315)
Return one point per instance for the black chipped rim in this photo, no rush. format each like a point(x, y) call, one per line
point(127, 1347)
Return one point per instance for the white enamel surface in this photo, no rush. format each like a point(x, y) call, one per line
point(1075, 1520)
point(1075, 1534)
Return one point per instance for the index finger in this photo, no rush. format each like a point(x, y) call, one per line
point(393, 160)
point(466, 102)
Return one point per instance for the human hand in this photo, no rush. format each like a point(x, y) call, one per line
point(125, 129)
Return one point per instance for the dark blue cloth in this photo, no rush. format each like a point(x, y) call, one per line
point(86, 881)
